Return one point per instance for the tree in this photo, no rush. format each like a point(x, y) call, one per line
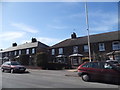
point(42, 59)
point(24, 59)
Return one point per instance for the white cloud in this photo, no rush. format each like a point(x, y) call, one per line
point(57, 27)
point(24, 27)
point(76, 15)
point(110, 23)
point(7, 36)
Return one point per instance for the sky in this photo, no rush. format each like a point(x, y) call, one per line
point(52, 22)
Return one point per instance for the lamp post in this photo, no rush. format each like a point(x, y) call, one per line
point(86, 11)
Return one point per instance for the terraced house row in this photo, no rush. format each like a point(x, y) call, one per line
point(75, 49)
point(26, 51)
point(72, 51)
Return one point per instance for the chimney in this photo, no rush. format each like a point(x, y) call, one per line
point(1, 49)
point(73, 36)
point(14, 44)
point(34, 40)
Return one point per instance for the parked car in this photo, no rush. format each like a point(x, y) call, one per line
point(12, 66)
point(114, 62)
point(89, 71)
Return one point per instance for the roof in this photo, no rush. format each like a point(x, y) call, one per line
point(109, 36)
point(25, 46)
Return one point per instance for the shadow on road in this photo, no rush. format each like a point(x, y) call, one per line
point(26, 72)
point(106, 82)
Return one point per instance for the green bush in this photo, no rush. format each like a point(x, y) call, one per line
point(42, 59)
point(56, 66)
point(24, 59)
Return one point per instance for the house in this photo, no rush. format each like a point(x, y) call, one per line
point(74, 51)
point(27, 50)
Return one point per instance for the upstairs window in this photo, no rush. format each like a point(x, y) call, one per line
point(86, 48)
point(9, 53)
point(116, 45)
point(27, 51)
point(15, 53)
point(60, 50)
point(101, 47)
point(53, 52)
point(75, 49)
point(19, 52)
point(33, 50)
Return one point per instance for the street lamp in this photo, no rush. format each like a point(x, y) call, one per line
point(86, 10)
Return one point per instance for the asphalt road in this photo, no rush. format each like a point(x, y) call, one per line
point(48, 79)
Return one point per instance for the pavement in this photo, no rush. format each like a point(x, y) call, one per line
point(71, 70)
point(39, 68)
point(33, 67)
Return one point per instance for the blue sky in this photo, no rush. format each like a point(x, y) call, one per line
point(52, 22)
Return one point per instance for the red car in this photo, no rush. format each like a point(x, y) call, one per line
point(12, 66)
point(99, 71)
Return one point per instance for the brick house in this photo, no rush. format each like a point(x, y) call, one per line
point(27, 49)
point(74, 51)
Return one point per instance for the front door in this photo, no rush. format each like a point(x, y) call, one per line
point(74, 61)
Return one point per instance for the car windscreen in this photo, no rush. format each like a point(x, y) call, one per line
point(15, 63)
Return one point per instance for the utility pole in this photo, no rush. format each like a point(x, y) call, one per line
point(86, 11)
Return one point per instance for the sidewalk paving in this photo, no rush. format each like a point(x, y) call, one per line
point(39, 68)
point(72, 70)
point(33, 67)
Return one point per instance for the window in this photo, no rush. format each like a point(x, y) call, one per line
point(33, 50)
point(116, 45)
point(27, 51)
point(9, 53)
point(92, 65)
point(7, 63)
point(101, 47)
point(19, 52)
point(107, 66)
point(6, 54)
point(86, 49)
point(60, 50)
point(95, 65)
point(53, 51)
point(75, 49)
point(15, 53)
point(86, 65)
point(117, 57)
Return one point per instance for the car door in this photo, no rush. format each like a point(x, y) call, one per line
point(94, 70)
point(109, 73)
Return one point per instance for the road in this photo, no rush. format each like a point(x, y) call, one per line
point(48, 79)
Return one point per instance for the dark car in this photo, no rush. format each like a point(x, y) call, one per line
point(115, 62)
point(99, 71)
point(12, 66)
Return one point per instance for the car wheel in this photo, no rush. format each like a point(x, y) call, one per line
point(86, 77)
point(12, 70)
point(2, 70)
